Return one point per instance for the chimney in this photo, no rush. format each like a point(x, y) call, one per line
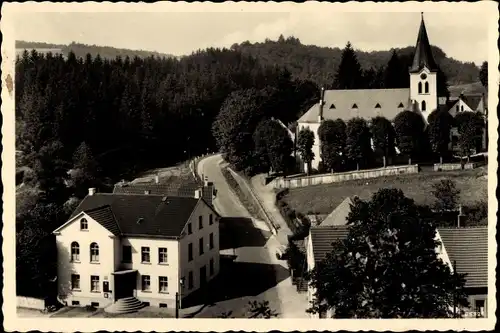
point(157, 179)
point(321, 104)
point(197, 194)
point(461, 217)
point(92, 191)
point(147, 192)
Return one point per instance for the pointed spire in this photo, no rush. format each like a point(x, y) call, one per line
point(423, 54)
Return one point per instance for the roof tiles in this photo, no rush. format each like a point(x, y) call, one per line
point(469, 248)
point(120, 213)
point(366, 102)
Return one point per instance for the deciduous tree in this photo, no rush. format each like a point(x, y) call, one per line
point(470, 129)
point(409, 127)
point(440, 124)
point(332, 137)
point(387, 266)
point(358, 146)
point(447, 195)
point(305, 142)
point(384, 137)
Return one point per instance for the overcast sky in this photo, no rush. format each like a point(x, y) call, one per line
point(461, 35)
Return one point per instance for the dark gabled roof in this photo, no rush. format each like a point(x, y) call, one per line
point(161, 216)
point(472, 100)
point(423, 53)
point(323, 237)
point(469, 248)
point(104, 215)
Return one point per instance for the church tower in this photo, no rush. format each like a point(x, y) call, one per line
point(423, 75)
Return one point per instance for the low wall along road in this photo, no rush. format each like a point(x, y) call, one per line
point(343, 176)
point(31, 303)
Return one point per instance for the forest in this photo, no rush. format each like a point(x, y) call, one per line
point(90, 121)
point(319, 64)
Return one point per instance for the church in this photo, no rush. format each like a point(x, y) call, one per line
point(421, 96)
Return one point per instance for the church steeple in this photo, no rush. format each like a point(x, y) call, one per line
point(423, 54)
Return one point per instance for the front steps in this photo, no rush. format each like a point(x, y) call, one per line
point(125, 305)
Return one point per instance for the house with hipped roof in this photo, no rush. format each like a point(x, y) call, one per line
point(463, 249)
point(122, 251)
point(421, 97)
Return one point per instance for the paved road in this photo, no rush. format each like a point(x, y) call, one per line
point(257, 272)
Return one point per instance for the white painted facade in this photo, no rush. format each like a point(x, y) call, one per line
point(110, 260)
point(423, 91)
point(209, 253)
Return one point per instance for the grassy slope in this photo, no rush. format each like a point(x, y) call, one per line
point(322, 199)
point(469, 88)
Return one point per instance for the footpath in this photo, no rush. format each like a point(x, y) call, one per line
point(266, 198)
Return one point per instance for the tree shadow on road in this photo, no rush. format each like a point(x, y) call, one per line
point(238, 232)
point(236, 280)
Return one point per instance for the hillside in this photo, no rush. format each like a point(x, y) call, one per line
point(81, 50)
point(320, 63)
point(469, 88)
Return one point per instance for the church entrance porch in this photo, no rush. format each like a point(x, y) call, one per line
point(125, 283)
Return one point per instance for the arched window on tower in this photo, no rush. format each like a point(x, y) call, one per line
point(420, 87)
point(424, 107)
point(426, 89)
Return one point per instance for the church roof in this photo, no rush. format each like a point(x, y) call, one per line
point(368, 103)
point(423, 53)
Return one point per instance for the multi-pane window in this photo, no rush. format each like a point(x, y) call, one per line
point(146, 282)
point(84, 225)
point(200, 246)
point(210, 219)
point(94, 252)
point(145, 257)
point(211, 266)
point(190, 280)
point(200, 222)
point(94, 283)
point(190, 228)
point(75, 281)
point(127, 254)
point(75, 252)
point(162, 255)
point(163, 285)
point(190, 251)
point(211, 240)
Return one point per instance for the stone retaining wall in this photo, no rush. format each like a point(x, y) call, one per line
point(31, 303)
point(343, 176)
point(456, 166)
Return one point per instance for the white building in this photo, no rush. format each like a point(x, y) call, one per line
point(421, 96)
point(139, 248)
point(464, 249)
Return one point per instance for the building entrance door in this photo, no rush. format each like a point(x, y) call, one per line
point(125, 284)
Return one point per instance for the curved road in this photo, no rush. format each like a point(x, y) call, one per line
point(261, 253)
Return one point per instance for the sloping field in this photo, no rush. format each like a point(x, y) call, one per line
point(322, 199)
